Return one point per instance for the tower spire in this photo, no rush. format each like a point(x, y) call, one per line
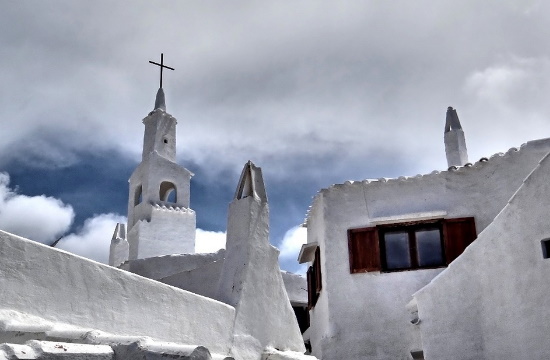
point(159, 100)
point(455, 142)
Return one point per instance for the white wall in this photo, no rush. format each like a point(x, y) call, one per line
point(319, 316)
point(202, 280)
point(58, 286)
point(251, 281)
point(164, 266)
point(296, 288)
point(493, 302)
point(159, 126)
point(200, 274)
point(363, 316)
point(168, 231)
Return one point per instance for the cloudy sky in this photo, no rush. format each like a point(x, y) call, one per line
point(314, 92)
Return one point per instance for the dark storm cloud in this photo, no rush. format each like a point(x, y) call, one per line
point(252, 75)
point(314, 92)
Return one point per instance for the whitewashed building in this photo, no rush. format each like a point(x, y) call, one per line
point(397, 273)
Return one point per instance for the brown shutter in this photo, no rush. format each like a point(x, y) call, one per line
point(317, 271)
point(458, 234)
point(310, 288)
point(314, 281)
point(364, 250)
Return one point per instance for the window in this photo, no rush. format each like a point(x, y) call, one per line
point(411, 246)
point(138, 195)
point(314, 280)
point(167, 192)
point(405, 246)
point(417, 354)
point(545, 248)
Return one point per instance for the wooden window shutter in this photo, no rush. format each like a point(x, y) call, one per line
point(364, 250)
point(310, 288)
point(314, 280)
point(458, 234)
point(317, 271)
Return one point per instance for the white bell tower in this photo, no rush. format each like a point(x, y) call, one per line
point(160, 221)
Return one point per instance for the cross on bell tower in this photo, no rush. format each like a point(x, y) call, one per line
point(160, 102)
point(162, 66)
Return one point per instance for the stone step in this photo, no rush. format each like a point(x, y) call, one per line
point(49, 350)
point(140, 350)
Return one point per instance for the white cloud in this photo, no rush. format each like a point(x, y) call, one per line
point(290, 248)
point(209, 241)
point(94, 238)
point(519, 83)
point(292, 242)
point(506, 104)
point(497, 83)
point(40, 218)
point(44, 219)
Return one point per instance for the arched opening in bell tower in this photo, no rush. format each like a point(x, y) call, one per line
point(168, 192)
point(138, 195)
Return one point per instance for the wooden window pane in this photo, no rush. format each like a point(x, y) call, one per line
point(428, 248)
point(396, 245)
point(364, 250)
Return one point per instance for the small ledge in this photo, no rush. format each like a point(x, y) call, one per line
point(307, 252)
point(429, 215)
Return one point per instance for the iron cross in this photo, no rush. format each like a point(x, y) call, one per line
point(162, 66)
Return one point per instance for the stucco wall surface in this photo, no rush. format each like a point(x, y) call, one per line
point(363, 316)
point(455, 148)
point(251, 281)
point(493, 301)
point(169, 231)
point(319, 330)
point(61, 287)
point(202, 280)
point(160, 134)
point(200, 273)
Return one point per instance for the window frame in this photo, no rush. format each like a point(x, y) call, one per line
point(411, 228)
